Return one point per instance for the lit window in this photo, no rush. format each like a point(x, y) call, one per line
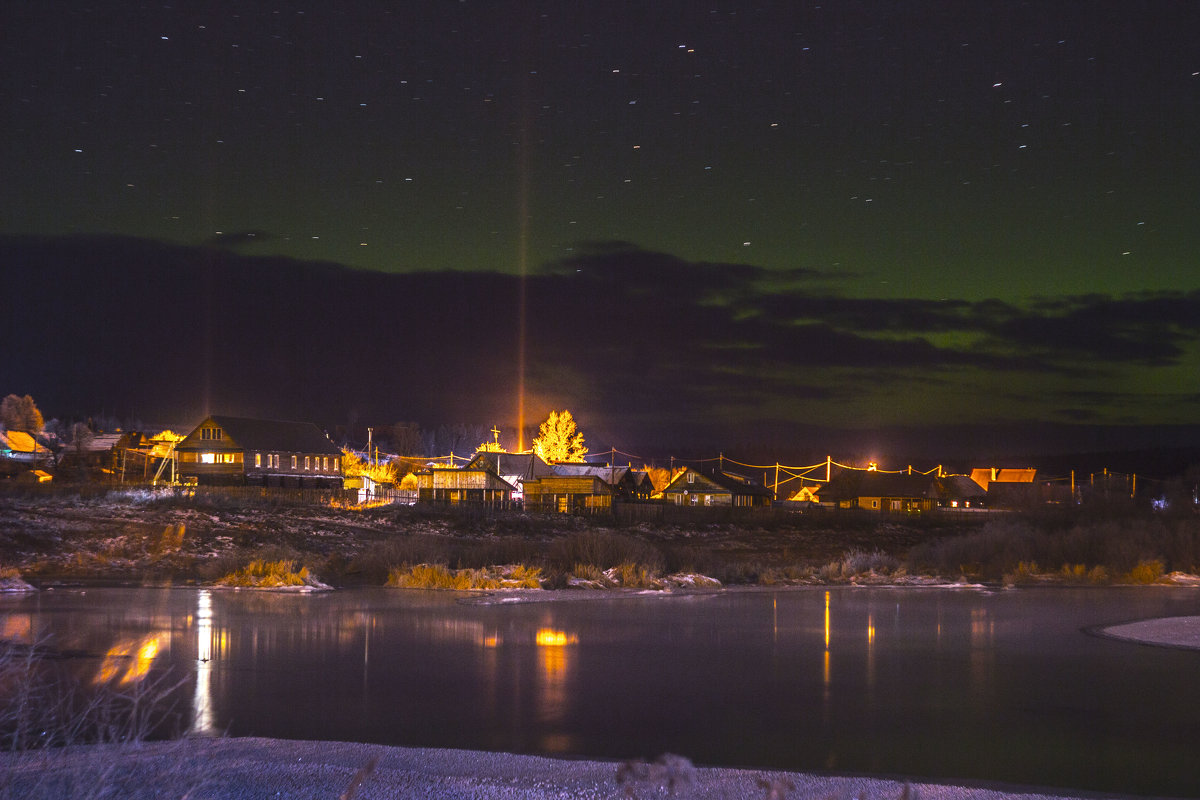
point(306, 462)
point(208, 458)
point(691, 477)
point(336, 467)
point(294, 462)
point(258, 459)
point(326, 462)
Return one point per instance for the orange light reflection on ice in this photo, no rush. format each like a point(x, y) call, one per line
point(547, 637)
point(132, 656)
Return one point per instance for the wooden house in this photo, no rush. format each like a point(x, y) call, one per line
point(582, 493)
point(882, 492)
point(474, 483)
point(237, 451)
point(961, 491)
point(20, 451)
point(514, 468)
point(625, 482)
point(1008, 488)
point(716, 488)
point(806, 494)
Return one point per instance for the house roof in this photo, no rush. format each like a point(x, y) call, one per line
point(985, 476)
point(851, 484)
point(19, 442)
point(610, 475)
point(730, 482)
point(960, 487)
point(271, 434)
point(526, 466)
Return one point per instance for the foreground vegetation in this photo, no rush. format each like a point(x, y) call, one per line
point(256, 540)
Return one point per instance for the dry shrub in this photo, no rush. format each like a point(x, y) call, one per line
point(260, 574)
point(1145, 572)
point(1025, 572)
point(604, 550)
point(438, 576)
point(633, 576)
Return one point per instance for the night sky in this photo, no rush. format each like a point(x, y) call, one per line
point(859, 215)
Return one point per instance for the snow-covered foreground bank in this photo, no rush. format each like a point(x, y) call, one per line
point(249, 769)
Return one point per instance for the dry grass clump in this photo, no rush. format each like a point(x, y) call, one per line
point(860, 564)
point(1109, 547)
point(46, 708)
point(1145, 572)
point(261, 574)
point(604, 550)
point(439, 576)
point(785, 575)
point(1025, 572)
point(631, 575)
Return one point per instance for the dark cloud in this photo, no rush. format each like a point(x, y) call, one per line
point(639, 345)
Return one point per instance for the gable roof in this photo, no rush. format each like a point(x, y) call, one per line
point(610, 475)
point(19, 442)
point(960, 487)
point(526, 466)
point(272, 434)
point(730, 482)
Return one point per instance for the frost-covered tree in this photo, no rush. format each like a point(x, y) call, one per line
point(20, 414)
point(559, 439)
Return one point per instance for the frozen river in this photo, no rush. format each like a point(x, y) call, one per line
point(973, 685)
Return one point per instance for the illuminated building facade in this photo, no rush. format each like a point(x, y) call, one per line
point(237, 451)
point(716, 488)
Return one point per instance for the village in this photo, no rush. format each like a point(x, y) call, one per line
point(554, 475)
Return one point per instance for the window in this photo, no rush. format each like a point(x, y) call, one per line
point(208, 458)
point(336, 464)
point(258, 459)
point(306, 462)
point(294, 461)
point(210, 433)
point(326, 462)
point(691, 477)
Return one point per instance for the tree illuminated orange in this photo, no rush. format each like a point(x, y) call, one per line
point(559, 439)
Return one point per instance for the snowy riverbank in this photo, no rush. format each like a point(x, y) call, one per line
point(254, 769)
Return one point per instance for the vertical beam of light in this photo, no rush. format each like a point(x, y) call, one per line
point(522, 251)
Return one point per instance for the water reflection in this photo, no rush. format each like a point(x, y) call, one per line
point(989, 686)
point(131, 659)
point(203, 722)
point(17, 628)
point(555, 648)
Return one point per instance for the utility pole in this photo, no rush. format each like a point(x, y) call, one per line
point(370, 432)
point(828, 467)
